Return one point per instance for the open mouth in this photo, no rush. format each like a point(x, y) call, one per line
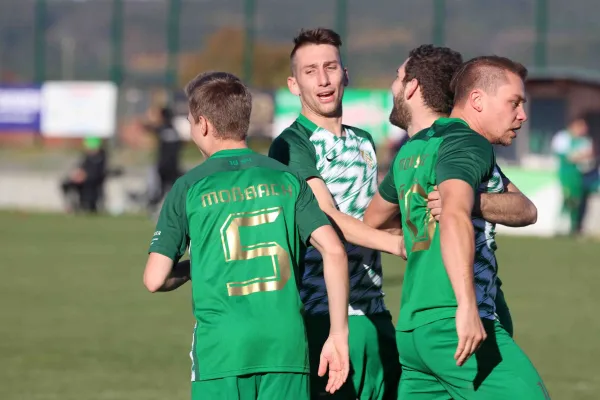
point(326, 96)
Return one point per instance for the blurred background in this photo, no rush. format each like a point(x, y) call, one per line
point(71, 69)
point(93, 133)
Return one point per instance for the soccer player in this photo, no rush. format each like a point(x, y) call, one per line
point(434, 67)
point(340, 165)
point(575, 151)
point(244, 217)
point(447, 312)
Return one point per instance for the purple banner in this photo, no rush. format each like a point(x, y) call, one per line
point(20, 108)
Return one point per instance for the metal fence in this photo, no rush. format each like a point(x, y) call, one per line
point(152, 42)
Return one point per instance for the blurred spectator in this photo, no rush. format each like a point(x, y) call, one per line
point(574, 149)
point(83, 186)
point(160, 123)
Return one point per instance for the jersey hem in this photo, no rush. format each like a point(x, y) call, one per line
point(326, 314)
point(387, 197)
point(252, 370)
point(351, 311)
point(420, 320)
point(164, 251)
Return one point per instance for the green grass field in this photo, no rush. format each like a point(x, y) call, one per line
point(77, 324)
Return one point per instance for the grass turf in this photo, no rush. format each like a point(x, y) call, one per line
point(77, 323)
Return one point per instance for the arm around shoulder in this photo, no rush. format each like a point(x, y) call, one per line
point(511, 208)
point(353, 230)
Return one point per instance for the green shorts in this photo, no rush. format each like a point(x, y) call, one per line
point(374, 365)
point(268, 386)
point(498, 370)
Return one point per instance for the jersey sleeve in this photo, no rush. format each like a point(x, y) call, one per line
point(309, 216)
point(171, 235)
point(297, 153)
point(387, 187)
point(469, 157)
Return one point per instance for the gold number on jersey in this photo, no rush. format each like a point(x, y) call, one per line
point(235, 251)
point(423, 241)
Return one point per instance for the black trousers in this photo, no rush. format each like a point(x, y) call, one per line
point(82, 196)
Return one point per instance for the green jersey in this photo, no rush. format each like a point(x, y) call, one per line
point(447, 150)
point(244, 217)
point(564, 144)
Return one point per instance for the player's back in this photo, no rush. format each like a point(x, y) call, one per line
point(244, 250)
point(428, 158)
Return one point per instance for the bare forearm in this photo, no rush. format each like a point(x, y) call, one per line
point(375, 219)
point(335, 271)
point(510, 209)
point(458, 252)
point(361, 234)
point(393, 226)
point(179, 275)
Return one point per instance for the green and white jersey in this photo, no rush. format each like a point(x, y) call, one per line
point(245, 218)
point(485, 249)
point(348, 166)
point(485, 231)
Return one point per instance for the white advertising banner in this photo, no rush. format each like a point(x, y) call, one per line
point(79, 109)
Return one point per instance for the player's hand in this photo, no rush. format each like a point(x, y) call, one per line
point(434, 203)
point(470, 332)
point(403, 254)
point(399, 247)
point(336, 359)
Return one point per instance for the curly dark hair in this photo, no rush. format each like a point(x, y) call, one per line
point(433, 67)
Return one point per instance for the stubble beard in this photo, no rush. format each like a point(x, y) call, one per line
point(400, 115)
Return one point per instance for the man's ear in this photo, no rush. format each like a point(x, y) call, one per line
point(346, 77)
point(293, 86)
point(411, 88)
point(476, 100)
point(203, 126)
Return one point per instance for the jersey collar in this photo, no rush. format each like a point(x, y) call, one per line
point(231, 152)
point(447, 121)
point(438, 122)
point(307, 123)
point(312, 127)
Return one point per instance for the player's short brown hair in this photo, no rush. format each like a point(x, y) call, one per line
point(433, 67)
point(224, 100)
point(486, 73)
point(316, 36)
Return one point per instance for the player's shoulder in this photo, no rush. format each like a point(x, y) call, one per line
point(274, 165)
point(293, 139)
point(446, 127)
point(361, 133)
point(460, 134)
point(195, 175)
point(296, 133)
point(271, 163)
